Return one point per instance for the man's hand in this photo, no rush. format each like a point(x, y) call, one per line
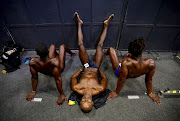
point(30, 96)
point(155, 98)
point(112, 94)
point(61, 100)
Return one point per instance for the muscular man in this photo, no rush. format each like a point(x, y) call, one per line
point(49, 63)
point(133, 66)
point(89, 83)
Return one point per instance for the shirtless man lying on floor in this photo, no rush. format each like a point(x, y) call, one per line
point(89, 83)
point(49, 63)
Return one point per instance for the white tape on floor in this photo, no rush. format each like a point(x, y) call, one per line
point(133, 97)
point(37, 99)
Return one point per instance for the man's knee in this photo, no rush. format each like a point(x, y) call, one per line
point(62, 46)
point(52, 46)
point(112, 49)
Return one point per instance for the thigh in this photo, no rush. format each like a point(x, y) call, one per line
point(62, 56)
point(52, 51)
point(98, 57)
point(84, 57)
point(114, 58)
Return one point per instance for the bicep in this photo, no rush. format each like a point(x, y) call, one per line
point(74, 78)
point(151, 68)
point(104, 80)
point(123, 72)
point(56, 73)
point(33, 72)
point(73, 83)
point(150, 74)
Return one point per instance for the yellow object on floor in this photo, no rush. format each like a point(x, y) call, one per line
point(178, 57)
point(71, 102)
point(4, 72)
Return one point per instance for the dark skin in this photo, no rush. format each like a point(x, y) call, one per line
point(132, 67)
point(89, 85)
point(52, 64)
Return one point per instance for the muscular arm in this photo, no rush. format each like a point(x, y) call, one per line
point(148, 81)
point(74, 79)
point(34, 78)
point(104, 80)
point(123, 72)
point(149, 75)
point(57, 76)
point(122, 78)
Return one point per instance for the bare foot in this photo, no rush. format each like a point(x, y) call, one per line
point(76, 15)
point(106, 22)
point(73, 54)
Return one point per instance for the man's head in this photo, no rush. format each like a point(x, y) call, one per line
point(41, 50)
point(86, 103)
point(137, 46)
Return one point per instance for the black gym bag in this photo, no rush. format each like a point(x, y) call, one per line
point(11, 56)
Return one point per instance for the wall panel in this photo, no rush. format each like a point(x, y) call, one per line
point(52, 22)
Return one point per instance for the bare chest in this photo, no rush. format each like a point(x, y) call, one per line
point(89, 83)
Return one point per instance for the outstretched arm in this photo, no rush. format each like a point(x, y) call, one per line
point(120, 83)
point(57, 76)
point(34, 80)
point(148, 81)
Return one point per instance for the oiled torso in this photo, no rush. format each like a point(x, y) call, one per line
point(44, 67)
point(89, 80)
point(137, 68)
